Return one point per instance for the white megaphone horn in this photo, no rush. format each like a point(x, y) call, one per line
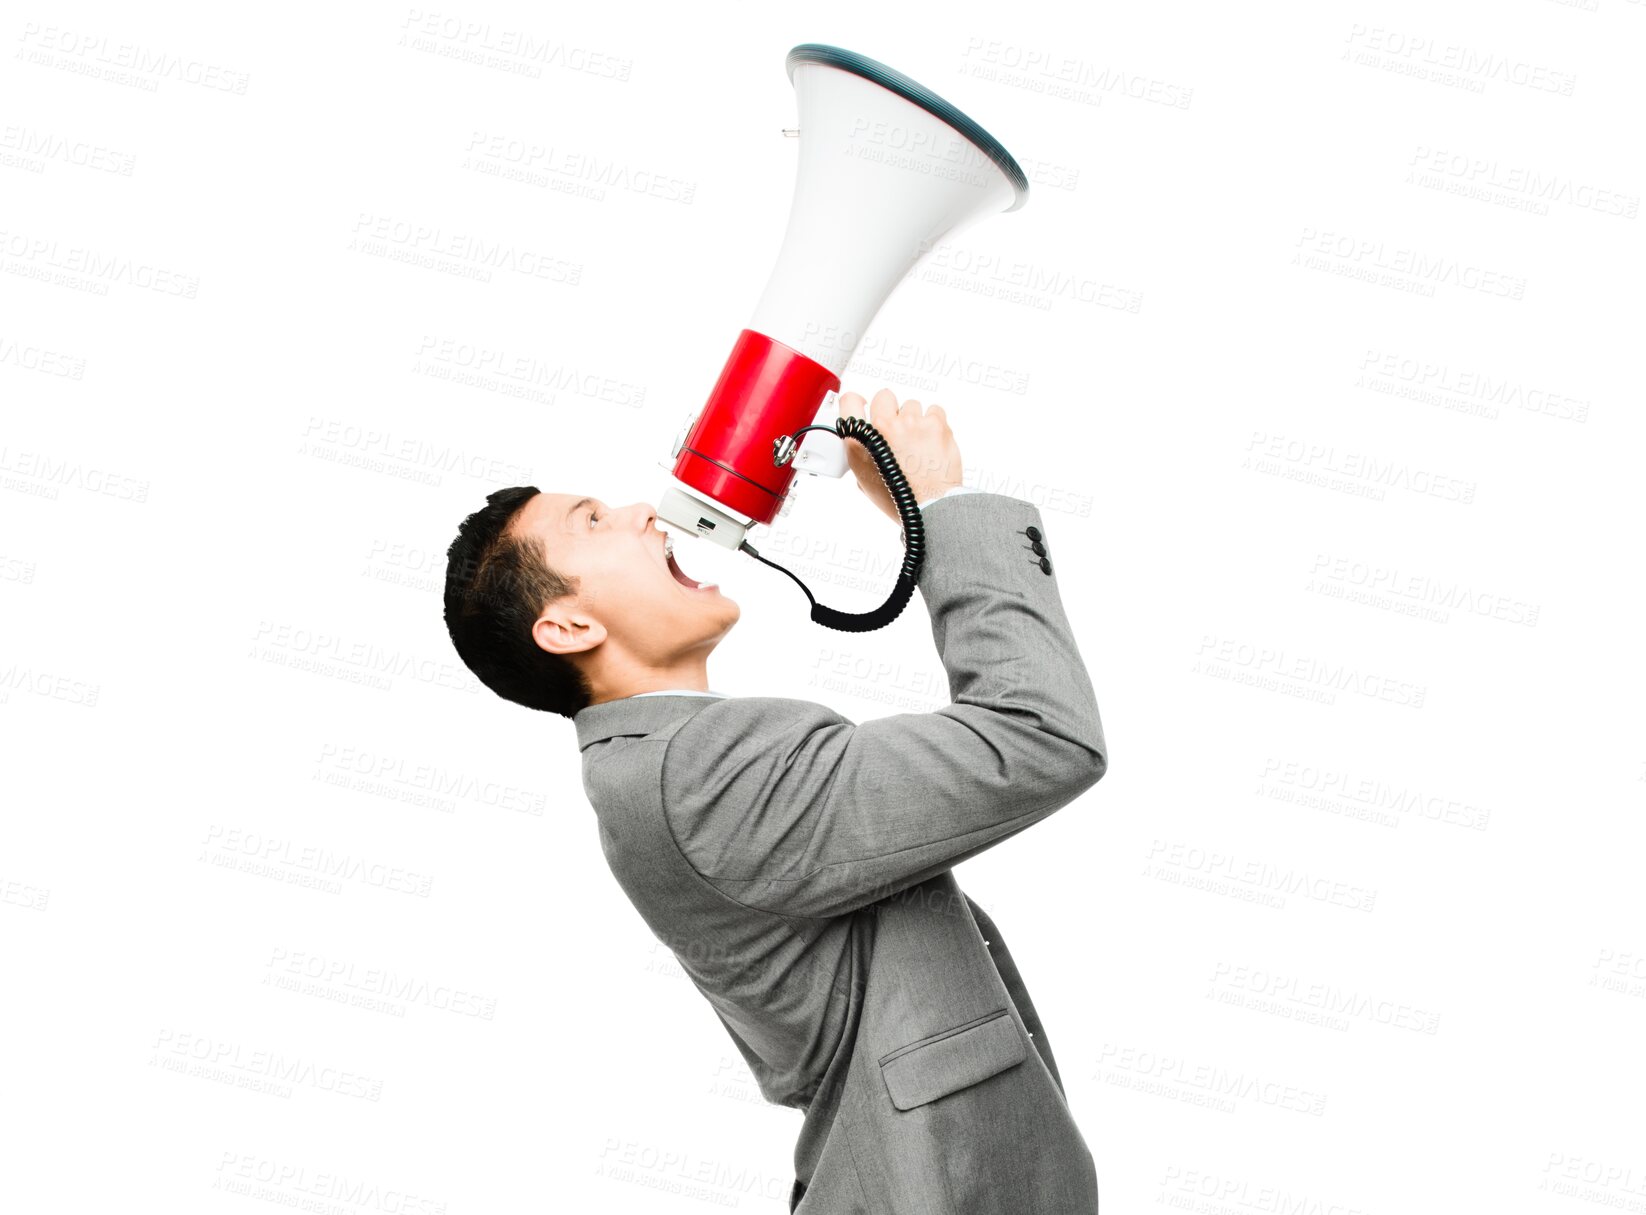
point(887, 169)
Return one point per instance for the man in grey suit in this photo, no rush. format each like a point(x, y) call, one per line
point(798, 864)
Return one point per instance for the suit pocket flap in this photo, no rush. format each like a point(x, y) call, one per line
point(944, 1063)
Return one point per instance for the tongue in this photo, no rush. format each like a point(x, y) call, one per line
point(681, 578)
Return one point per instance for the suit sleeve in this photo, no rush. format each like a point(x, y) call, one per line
point(786, 806)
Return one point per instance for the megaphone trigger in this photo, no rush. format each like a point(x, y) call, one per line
point(823, 455)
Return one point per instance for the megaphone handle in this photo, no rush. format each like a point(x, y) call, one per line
point(914, 535)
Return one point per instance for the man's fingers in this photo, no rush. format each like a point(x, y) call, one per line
point(883, 408)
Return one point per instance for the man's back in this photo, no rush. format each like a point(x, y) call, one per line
point(798, 865)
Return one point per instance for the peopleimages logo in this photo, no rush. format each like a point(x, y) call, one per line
point(301, 1187)
point(31, 149)
point(270, 1071)
point(37, 257)
point(1414, 54)
point(122, 62)
point(1536, 185)
point(1422, 268)
point(1043, 70)
point(286, 855)
point(481, 43)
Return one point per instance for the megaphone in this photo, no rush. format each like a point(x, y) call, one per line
point(887, 169)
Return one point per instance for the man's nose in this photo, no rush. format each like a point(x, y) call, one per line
point(643, 513)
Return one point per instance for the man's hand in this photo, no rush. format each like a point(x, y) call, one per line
point(922, 442)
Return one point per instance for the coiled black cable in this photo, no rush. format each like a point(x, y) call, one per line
point(914, 534)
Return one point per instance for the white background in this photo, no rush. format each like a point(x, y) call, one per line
point(1317, 343)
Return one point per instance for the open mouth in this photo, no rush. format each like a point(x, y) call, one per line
point(680, 575)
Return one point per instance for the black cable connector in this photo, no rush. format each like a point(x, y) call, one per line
point(914, 534)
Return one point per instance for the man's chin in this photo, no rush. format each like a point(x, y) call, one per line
point(714, 605)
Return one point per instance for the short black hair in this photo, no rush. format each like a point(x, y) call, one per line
point(497, 584)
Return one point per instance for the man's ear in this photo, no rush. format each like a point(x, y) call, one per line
point(564, 628)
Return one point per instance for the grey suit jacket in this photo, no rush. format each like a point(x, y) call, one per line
point(798, 866)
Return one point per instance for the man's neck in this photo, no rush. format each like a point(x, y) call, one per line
point(694, 678)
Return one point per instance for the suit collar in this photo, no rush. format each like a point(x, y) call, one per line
point(634, 715)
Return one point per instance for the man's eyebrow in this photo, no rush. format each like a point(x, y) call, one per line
point(577, 506)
